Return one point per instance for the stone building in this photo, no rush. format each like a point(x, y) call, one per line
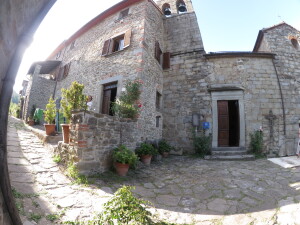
point(160, 43)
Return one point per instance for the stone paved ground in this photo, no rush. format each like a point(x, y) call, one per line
point(182, 189)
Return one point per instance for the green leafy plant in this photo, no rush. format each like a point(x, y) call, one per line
point(256, 142)
point(72, 171)
point(50, 111)
point(73, 99)
point(125, 208)
point(202, 144)
point(35, 217)
point(57, 158)
point(163, 146)
point(124, 155)
point(146, 149)
point(52, 217)
point(128, 104)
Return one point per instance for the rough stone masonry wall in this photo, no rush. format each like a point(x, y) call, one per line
point(151, 74)
point(93, 136)
point(287, 61)
point(39, 90)
point(184, 93)
point(90, 68)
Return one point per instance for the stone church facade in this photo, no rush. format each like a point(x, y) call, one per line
point(160, 43)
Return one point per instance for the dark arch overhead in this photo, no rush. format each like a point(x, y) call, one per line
point(166, 8)
point(181, 6)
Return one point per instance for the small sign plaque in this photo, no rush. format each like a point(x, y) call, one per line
point(205, 125)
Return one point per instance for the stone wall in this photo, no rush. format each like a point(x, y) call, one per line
point(89, 67)
point(93, 136)
point(287, 62)
point(257, 77)
point(40, 89)
point(184, 93)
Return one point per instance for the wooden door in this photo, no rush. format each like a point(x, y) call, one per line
point(223, 124)
point(106, 101)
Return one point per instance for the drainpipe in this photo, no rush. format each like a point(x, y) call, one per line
point(281, 96)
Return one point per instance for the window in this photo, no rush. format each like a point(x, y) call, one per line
point(158, 52)
point(295, 43)
point(117, 43)
point(163, 59)
point(123, 13)
point(66, 70)
point(158, 100)
point(58, 54)
point(157, 121)
point(72, 45)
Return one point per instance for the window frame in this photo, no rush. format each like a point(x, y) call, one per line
point(109, 45)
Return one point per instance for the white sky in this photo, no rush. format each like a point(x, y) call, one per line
point(225, 25)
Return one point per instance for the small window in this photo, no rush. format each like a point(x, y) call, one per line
point(124, 13)
point(66, 70)
point(295, 43)
point(158, 100)
point(158, 52)
point(58, 54)
point(157, 121)
point(72, 45)
point(116, 44)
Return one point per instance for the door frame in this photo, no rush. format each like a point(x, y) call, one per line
point(118, 79)
point(228, 95)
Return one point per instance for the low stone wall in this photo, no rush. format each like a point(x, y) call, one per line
point(93, 136)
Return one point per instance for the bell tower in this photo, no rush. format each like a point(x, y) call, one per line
point(173, 7)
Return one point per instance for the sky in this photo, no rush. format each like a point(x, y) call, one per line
point(225, 25)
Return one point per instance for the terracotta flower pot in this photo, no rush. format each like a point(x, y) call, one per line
point(30, 122)
point(66, 132)
point(146, 159)
point(122, 169)
point(50, 129)
point(165, 154)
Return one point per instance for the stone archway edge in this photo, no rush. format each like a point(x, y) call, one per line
point(24, 40)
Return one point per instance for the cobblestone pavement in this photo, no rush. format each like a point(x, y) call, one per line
point(183, 189)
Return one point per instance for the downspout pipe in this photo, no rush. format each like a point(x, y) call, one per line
point(281, 96)
point(7, 87)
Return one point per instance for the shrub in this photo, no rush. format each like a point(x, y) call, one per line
point(146, 149)
point(163, 146)
point(50, 111)
point(125, 208)
point(128, 104)
point(73, 99)
point(124, 155)
point(256, 142)
point(202, 144)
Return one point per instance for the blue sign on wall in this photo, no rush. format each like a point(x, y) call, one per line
point(205, 125)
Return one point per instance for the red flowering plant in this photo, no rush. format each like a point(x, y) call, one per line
point(128, 105)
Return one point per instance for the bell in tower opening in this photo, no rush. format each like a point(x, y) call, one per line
point(181, 7)
point(166, 10)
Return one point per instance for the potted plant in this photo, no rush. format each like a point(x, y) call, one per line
point(30, 120)
point(164, 148)
point(72, 99)
point(50, 114)
point(123, 159)
point(145, 152)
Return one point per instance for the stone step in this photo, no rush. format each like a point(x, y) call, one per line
point(230, 157)
point(224, 153)
point(229, 149)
